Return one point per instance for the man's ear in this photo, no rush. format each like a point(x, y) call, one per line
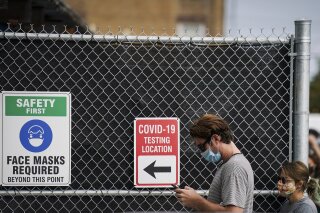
point(216, 137)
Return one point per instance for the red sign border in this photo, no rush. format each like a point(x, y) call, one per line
point(162, 185)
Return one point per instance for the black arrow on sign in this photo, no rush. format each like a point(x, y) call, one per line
point(151, 169)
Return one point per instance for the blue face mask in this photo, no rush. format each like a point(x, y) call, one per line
point(210, 156)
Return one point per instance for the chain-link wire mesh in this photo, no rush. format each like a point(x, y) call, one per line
point(115, 79)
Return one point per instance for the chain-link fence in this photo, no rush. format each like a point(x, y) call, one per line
point(115, 79)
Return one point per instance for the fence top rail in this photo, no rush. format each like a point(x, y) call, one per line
point(150, 39)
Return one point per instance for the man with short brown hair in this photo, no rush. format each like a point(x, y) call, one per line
point(232, 187)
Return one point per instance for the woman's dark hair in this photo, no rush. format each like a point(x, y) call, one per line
point(210, 124)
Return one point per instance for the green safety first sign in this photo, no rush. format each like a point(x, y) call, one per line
point(36, 138)
point(35, 106)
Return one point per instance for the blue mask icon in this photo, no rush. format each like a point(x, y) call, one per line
point(210, 156)
point(35, 135)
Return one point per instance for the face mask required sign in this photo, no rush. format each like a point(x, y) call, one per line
point(36, 138)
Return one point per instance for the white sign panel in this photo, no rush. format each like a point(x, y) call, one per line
point(36, 138)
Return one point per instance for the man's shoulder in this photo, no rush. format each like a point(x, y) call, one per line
point(237, 164)
point(237, 161)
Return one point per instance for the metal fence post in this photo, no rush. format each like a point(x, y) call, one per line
point(301, 90)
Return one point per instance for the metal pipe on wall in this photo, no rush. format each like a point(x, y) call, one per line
point(301, 90)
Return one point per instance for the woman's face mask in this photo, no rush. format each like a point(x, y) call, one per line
point(286, 186)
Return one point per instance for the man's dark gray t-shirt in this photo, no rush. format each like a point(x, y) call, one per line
point(302, 206)
point(233, 184)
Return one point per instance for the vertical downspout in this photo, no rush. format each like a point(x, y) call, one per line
point(301, 91)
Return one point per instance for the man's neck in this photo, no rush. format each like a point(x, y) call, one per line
point(228, 151)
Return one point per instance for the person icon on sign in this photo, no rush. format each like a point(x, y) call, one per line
point(36, 133)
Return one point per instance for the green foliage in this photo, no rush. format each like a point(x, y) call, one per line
point(315, 93)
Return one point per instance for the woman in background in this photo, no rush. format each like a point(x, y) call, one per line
point(293, 181)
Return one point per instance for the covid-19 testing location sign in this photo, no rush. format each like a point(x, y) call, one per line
point(36, 138)
point(156, 152)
